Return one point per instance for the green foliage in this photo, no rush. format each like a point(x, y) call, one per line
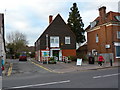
point(83, 56)
point(76, 24)
point(32, 55)
point(52, 60)
point(16, 44)
point(69, 57)
point(72, 58)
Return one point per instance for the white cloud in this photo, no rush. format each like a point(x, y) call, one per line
point(31, 16)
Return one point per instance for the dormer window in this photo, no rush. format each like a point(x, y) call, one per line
point(117, 17)
point(93, 24)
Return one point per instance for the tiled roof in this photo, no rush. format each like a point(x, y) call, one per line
point(110, 17)
point(57, 21)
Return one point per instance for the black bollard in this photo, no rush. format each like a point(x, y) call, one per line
point(111, 62)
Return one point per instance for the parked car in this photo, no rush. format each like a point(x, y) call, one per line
point(23, 57)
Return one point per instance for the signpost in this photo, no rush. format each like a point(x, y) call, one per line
point(79, 61)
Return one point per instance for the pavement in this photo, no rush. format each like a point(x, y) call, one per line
point(6, 69)
point(61, 67)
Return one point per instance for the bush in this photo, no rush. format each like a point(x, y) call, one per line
point(83, 56)
point(17, 55)
point(72, 58)
point(52, 60)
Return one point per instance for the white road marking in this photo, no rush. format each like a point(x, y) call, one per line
point(106, 75)
point(41, 84)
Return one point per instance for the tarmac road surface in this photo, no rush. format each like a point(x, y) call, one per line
point(29, 75)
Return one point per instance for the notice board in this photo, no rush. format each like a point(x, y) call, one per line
point(79, 61)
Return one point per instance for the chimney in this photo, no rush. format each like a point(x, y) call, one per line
point(50, 19)
point(102, 14)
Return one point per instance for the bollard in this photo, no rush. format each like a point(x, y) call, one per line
point(111, 62)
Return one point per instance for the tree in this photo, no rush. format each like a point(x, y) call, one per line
point(76, 24)
point(16, 43)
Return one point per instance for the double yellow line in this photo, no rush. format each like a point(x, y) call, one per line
point(45, 68)
point(42, 67)
point(10, 70)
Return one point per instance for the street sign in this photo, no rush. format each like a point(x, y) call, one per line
point(79, 61)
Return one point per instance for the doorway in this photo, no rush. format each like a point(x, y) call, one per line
point(56, 53)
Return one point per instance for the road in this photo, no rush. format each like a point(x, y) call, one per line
point(28, 75)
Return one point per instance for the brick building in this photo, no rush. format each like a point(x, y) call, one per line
point(103, 34)
point(57, 40)
point(82, 49)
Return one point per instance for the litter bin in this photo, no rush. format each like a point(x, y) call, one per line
point(110, 62)
point(91, 60)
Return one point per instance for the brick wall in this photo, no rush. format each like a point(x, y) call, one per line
point(69, 52)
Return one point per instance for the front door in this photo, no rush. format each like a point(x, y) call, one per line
point(56, 53)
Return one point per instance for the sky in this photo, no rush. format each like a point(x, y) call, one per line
point(31, 17)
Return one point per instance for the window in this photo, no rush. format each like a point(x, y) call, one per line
point(97, 38)
point(67, 40)
point(118, 34)
point(54, 41)
point(93, 24)
point(117, 17)
point(117, 51)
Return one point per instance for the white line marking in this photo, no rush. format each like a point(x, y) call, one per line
point(41, 84)
point(106, 75)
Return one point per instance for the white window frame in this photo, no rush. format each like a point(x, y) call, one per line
point(118, 35)
point(97, 38)
point(54, 41)
point(67, 40)
point(117, 17)
point(116, 52)
point(92, 24)
point(116, 44)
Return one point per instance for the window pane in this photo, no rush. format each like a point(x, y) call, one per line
point(117, 51)
point(56, 40)
point(67, 40)
point(117, 17)
point(118, 34)
point(97, 39)
point(52, 40)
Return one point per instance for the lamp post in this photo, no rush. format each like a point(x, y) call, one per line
point(47, 45)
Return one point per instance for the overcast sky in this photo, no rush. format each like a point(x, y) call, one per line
point(31, 16)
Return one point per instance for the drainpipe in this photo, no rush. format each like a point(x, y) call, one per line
point(106, 39)
point(46, 41)
point(112, 47)
point(47, 45)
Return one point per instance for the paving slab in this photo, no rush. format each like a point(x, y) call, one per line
point(62, 67)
